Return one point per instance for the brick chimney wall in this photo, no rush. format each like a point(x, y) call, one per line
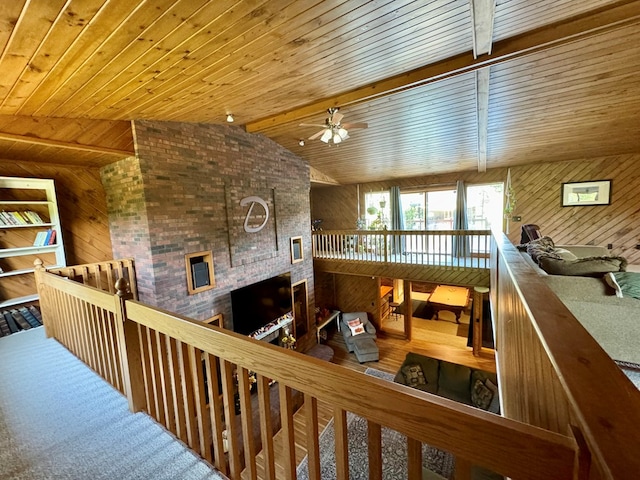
point(171, 200)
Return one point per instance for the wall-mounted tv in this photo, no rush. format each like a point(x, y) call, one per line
point(260, 303)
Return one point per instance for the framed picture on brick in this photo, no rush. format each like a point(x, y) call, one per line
point(296, 250)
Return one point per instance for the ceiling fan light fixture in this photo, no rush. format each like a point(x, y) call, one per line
point(326, 136)
point(337, 138)
point(343, 133)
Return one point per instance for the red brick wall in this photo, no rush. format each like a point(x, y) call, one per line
point(172, 200)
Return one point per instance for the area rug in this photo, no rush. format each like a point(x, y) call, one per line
point(394, 450)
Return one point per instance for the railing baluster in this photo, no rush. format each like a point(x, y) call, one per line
point(216, 412)
point(313, 434)
point(374, 441)
point(266, 427)
point(288, 431)
point(246, 417)
point(414, 459)
point(342, 442)
point(226, 369)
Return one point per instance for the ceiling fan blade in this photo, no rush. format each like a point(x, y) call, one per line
point(312, 125)
point(337, 116)
point(317, 135)
point(355, 125)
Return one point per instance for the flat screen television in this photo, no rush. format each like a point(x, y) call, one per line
point(260, 303)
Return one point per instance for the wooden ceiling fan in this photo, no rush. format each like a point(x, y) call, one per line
point(333, 131)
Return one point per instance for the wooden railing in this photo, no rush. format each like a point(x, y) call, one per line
point(447, 248)
point(186, 373)
point(102, 275)
point(553, 374)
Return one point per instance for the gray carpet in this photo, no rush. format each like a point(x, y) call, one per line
point(394, 453)
point(59, 420)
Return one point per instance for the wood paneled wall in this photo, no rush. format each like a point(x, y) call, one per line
point(357, 294)
point(82, 206)
point(537, 189)
point(538, 193)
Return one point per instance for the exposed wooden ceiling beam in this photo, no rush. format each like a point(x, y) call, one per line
point(318, 177)
point(67, 145)
point(482, 14)
point(592, 23)
point(482, 99)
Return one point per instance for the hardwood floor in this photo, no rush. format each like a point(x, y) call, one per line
point(425, 340)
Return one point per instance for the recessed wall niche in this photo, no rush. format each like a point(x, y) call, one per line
point(200, 275)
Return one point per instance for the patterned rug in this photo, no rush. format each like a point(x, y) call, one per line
point(394, 450)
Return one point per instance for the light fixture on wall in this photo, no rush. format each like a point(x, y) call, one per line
point(301, 142)
point(230, 117)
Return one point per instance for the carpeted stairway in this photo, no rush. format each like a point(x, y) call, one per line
point(59, 420)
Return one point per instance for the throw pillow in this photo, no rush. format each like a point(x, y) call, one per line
point(626, 284)
point(585, 267)
point(565, 254)
point(481, 396)
point(413, 375)
point(356, 327)
point(494, 406)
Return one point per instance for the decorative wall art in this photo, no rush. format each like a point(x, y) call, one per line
point(251, 218)
point(578, 194)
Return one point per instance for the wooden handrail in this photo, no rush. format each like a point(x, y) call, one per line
point(445, 248)
point(169, 360)
point(558, 375)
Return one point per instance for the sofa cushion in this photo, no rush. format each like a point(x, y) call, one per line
point(481, 396)
point(430, 368)
point(626, 284)
point(588, 266)
point(454, 382)
point(413, 375)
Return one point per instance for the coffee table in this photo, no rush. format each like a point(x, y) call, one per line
point(452, 299)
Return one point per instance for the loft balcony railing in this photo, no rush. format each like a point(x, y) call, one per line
point(568, 412)
point(444, 248)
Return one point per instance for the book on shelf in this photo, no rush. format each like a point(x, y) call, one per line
point(33, 216)
point(7, 218)
point(40, 238)
point(45, 238)
point(20, 218)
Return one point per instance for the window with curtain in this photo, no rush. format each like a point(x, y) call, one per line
point(434, 209)
point(377, 210)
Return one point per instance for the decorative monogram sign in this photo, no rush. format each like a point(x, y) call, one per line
point(251, 210)
point(251, 201)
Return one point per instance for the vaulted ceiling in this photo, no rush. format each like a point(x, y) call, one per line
point(444, 86)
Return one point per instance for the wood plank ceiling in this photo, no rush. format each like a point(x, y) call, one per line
point(444, 86)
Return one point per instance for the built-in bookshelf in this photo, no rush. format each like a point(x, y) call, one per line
point(29, 229)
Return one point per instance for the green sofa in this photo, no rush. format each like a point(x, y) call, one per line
point(450, 380)
point(456, 382)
